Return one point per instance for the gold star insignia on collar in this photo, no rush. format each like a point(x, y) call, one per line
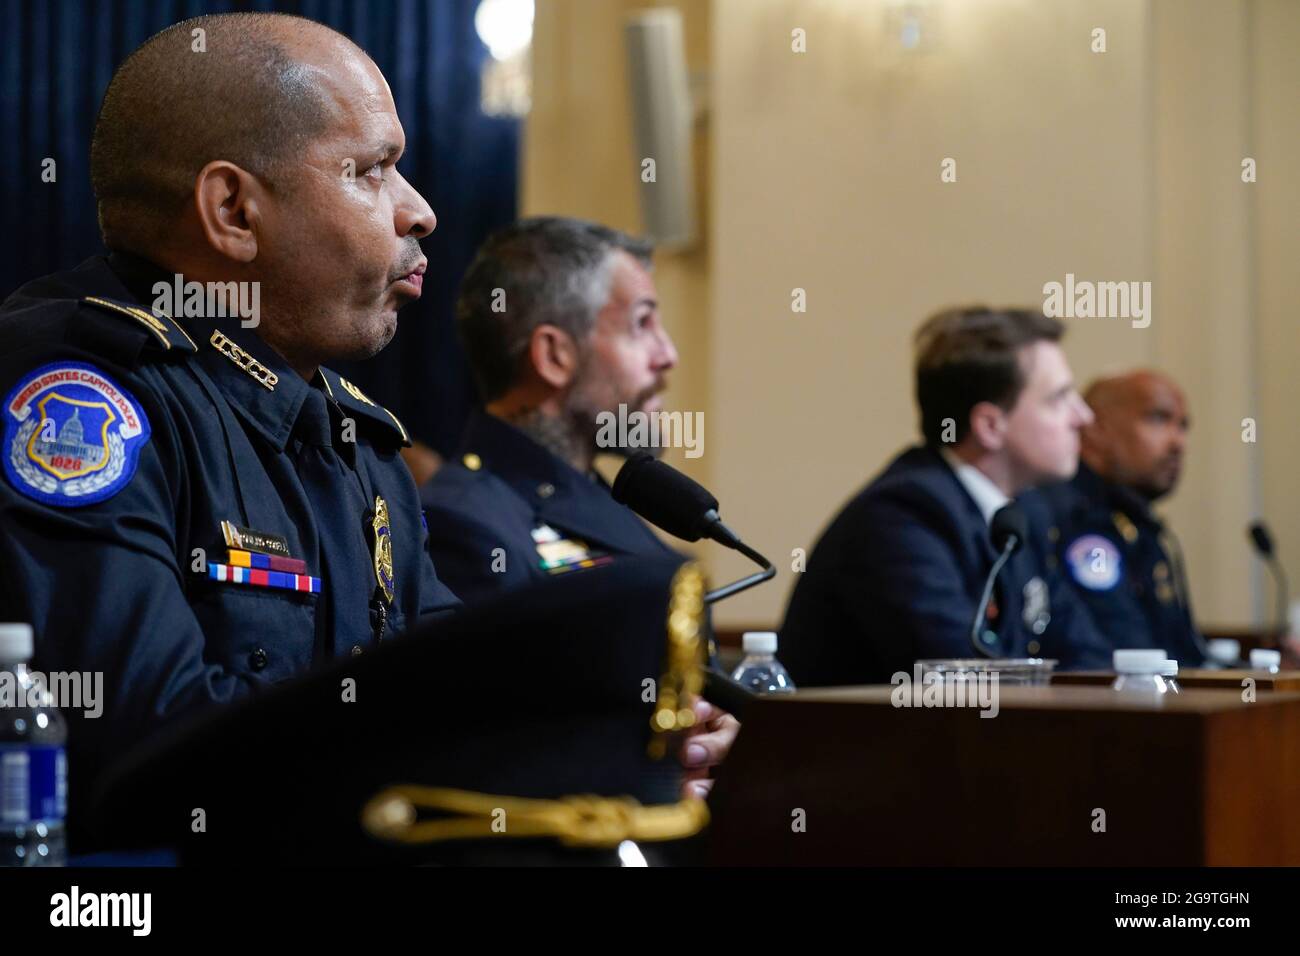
point(1125, 526)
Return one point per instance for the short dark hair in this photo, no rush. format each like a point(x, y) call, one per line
point(548, 269)
point(169, 111)
point(969, 355)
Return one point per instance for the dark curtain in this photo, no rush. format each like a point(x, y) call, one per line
point(56, 58)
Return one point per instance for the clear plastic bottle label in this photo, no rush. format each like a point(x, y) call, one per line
point(33, 784)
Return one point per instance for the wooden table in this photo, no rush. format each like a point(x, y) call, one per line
point(1196, 778)
point(1197, 678)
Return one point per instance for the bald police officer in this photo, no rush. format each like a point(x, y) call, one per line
point(193, 504)
point(1117, 553)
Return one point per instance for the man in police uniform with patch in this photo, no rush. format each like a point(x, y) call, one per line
point(1122, 561)
point(560, 321)
point(899, 573)
point(193, 505)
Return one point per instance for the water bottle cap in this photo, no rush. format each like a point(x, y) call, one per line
point(759, 642)
point(1139, 662)
point(15, 642)
point(1261, 658)
point(1170, 669)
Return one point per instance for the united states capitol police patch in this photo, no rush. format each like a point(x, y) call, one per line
point(1094, 562)
point(72, 435)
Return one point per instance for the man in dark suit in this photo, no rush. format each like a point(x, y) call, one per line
point(899, 573)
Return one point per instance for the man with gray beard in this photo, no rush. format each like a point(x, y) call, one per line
point(560, 322)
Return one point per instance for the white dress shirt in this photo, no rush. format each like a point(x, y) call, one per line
point(987, 496)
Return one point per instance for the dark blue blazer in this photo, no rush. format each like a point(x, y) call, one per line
point(482, 518)
point(897, 577)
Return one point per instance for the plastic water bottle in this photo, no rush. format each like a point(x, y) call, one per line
point(1223, 652)
point(33, 762)
point(1170, 674)
point(1264, 659)
point(1140, 672)
point(760, 671)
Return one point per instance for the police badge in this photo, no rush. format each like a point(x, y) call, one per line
point(383, 546)
point(1037, 613)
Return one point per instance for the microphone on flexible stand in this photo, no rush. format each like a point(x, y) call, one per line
point(667, 499)
point(1008, 531)
point(681, 506)
point(1262, 541)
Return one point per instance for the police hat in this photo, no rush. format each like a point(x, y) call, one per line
point(537, 728)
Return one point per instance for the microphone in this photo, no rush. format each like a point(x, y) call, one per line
point(685, 509)
point(1008, 531)
point(669, 500)
point(1262, 540)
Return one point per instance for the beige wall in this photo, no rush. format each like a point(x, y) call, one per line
point(825, 176)
point(1274, 38)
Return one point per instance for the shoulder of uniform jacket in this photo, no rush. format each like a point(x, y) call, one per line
point(354, 400)
point(161, 332)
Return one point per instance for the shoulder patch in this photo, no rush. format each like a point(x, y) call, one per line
point(1094, 562)
point(355, 400)
point(165, 330)
point(72, 436)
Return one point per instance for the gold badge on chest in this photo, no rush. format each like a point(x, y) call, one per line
point(383, 547)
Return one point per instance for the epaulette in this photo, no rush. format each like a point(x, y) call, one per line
point(166, 332)
point(353, 399)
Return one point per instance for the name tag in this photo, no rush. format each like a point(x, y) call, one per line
point(246, 539)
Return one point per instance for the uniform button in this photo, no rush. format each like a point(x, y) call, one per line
point(1034, 647)
point(545, 489)
point(356, 650)
point(472, 461)
point(257, 659)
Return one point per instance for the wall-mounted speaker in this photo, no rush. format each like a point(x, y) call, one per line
point(662, 117)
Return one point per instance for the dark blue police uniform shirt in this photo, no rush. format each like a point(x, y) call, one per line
point(1122, 563)
point(507, 511)
point(129, 438)
point(898, 574)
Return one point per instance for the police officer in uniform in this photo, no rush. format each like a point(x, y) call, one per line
point(899, 573)
point(193, 504)
point(1117, 553)
point(560, 322)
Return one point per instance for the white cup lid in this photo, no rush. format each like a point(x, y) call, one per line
point(1140, 661)
point(760, 642)
point(1224, 649)
point(1263, 658)
point(15, 642)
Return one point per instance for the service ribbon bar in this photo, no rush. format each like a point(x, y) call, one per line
point(258, 577)
point(267, 562)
